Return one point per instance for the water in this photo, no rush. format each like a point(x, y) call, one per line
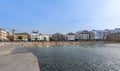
point(83, 57)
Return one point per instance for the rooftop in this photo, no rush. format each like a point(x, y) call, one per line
point(70, 33)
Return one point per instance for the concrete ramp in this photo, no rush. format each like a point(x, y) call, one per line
point(19, 62)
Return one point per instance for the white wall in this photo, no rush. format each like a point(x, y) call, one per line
point(71, 37)
point(84, 36)
point(97, 35)
point(34, 35)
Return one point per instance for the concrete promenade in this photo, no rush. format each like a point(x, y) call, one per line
point(17, 61)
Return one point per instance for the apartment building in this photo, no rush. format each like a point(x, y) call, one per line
point(84, 35)
point(25, 36)
point(97, 35)
point(3, 35)
point(39, 37)
point(34, 35)
point(44, 37)
point(115, 35)
point(71, 36)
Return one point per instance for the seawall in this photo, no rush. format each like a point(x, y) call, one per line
point(30, 44)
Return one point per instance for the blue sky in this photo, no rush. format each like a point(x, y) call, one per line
point(50, 16)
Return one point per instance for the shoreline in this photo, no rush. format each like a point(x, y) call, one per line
point(31, 44)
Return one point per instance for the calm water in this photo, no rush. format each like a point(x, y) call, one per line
point(84, 57)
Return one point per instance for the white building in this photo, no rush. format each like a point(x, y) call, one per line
point(117, 30)
point(44, 37)
point(84, 35)
point(3, 35)
point(71, 36)
point(34, 35)
point(97, 34)
point(47, 37)
point(40, 37)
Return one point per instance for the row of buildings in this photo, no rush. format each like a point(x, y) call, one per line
point(14, 36)
point(84, 35)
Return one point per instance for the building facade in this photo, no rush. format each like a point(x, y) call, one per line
point(4, 35)
point(97, 35)
point(39, 37)
point(44, 37)
point(115, 35)
point(106, 34)
point(117, 30)
point(71, 36)
point(84, 35)
point(35, 36)
point(25, 36)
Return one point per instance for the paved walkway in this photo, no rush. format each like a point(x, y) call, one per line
point(6, 49)
point(18, 61)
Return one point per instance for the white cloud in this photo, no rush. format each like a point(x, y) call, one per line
point(108, 16)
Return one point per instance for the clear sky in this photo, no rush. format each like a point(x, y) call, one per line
point(50, 16)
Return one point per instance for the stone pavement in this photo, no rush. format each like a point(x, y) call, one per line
point(6, 49)
point(18, 61)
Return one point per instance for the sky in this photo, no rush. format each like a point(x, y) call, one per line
point(51, 16)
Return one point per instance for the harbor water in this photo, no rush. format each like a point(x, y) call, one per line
point(82, 57)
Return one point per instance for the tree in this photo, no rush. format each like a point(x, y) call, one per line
point(20, 37)
point(45, 39)
point(58, 37)
point(36, 39)
point(51, 39)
